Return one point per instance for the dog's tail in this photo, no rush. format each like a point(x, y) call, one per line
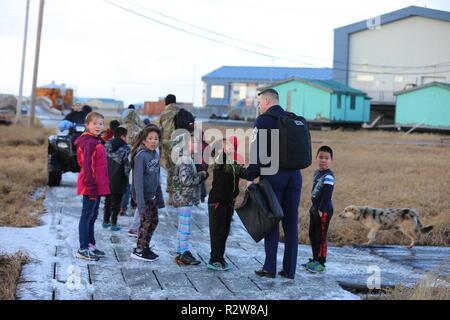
point(426, 229)
point(421, 228)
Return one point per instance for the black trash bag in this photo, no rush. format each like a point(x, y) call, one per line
point(260, 211)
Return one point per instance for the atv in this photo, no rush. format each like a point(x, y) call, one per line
point(62, 153)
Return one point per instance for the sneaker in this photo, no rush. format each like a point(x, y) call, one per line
point(144, 255)
point(218, 266)
point(187, 259)
point(99, 253)
point(225, 266)
point(115, 228)
point(308, 264)
point(153, 253)
point(132, 233)
point(86, 255)
point(316, 267)
point(106, 225)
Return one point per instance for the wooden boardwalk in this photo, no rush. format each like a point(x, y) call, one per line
point(55, 274)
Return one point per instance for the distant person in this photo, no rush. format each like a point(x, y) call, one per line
point(117, 151)
point(76, 116)
point(146, 189)
point(86, 109)
point(133, 124)
point(321, 210)
point(286, 183)
point(125, 112)
point(109, 134)
point(166, 121)
point(227, 169)
point(92, 183)
point(186, 181)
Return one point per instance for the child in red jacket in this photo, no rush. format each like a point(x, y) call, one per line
point(92, 182)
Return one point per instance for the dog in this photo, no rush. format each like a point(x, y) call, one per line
point(405, 220)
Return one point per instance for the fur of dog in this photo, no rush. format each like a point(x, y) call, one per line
point(405, 220)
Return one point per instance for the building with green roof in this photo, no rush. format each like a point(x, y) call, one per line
point(427, 105)
point(323, 100)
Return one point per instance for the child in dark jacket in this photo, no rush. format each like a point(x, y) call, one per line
point(321, 210)
point(117, 151)
point(146, 189)
point(228, 168)
point(92, 182)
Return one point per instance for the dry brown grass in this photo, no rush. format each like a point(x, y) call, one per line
point(10, 268)
point(382, 175)
point(431, 287)
point(23, 168)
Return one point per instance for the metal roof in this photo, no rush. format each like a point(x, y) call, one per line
point(327, 85)
point(267, 74)
point(431, 84)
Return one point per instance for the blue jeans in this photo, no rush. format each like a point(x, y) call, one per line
point(89, 214)
point(125, 198)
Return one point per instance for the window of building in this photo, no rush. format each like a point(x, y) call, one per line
point(352, 102)
point(339, 101)
point(365, 77)
point(243, 92)
point(217, 92)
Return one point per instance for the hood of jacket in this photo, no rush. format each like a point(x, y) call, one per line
point(85, 138)
point(116, 144)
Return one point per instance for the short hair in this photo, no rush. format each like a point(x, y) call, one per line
point(86, 109)
point(269, 92)
point(325, 149)
point(120, 132)
point(114, 124)
point(92, 115)
point(170, 98)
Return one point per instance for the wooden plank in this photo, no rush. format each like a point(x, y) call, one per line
point(209, 284)
point(140, 277)
point(173, 280)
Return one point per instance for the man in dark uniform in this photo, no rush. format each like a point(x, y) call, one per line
point(286, 183)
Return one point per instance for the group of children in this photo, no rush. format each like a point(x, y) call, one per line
point(105, 171)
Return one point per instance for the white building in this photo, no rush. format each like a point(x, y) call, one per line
point(388, 53)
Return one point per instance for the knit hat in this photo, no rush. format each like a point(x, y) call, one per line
point(131, 106)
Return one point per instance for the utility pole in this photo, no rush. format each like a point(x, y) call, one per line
point(193, 88)
point(36, 63)
point(24, 50)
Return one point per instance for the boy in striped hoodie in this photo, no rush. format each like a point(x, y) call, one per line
point(321, 210)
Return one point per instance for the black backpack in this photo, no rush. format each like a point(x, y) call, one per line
point(295, 141)
point(184, 120)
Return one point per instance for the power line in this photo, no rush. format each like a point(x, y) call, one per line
point(278, 50)
point(257, 52)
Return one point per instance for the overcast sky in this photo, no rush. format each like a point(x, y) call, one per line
point(105, 51)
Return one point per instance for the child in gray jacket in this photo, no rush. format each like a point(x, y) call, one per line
point(146, 189)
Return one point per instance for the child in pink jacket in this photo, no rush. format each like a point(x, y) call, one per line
point(92, 182)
